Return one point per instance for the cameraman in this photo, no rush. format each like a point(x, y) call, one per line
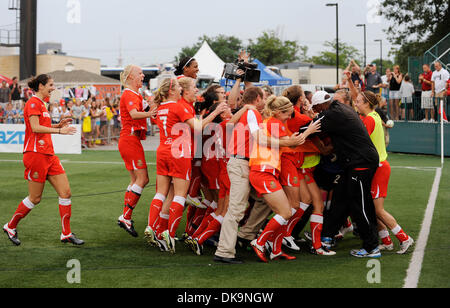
point(235, 96)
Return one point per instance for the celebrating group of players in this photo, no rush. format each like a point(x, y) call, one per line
point(290, 152)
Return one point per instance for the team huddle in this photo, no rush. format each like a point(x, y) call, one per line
point(250, 167)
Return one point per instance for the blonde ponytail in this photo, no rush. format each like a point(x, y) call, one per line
point(274, 104)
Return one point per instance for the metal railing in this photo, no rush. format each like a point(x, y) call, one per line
point(418, 109)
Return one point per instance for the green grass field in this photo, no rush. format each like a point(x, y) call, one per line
point(111, 258)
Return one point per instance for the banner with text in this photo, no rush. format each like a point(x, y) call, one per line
point(12, 138)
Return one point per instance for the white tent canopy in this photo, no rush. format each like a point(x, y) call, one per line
point(209, 63)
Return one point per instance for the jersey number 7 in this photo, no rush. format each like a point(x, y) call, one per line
point(164, 122)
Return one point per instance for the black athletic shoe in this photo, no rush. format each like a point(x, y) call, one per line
point(12, 235)
point(72, 239)
point(127, 225)
point(228, 260)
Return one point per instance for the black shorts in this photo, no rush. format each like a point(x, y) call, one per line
point(326, 180)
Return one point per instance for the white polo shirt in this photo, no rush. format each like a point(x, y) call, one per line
point(440, 80)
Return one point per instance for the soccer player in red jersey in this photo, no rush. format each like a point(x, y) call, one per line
point(212, 222)
point(41, 163)
point(173, 161)
point(298, 180)
point(265, 166)
point(366, 103)
point(188, 67)
point(134, 129)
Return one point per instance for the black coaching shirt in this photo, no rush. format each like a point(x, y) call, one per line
point(349, 137)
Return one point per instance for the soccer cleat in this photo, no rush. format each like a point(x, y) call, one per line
point(170, 241)
point(308, 236)
point(195, 202)
point(290, 243)
point(389, 247)
point(344, 230)
point(404, 246)
point(127, 225)
point(71, 238)
point(328, 242)
point(269, 246)
point(150, 236)
point(162, 245)
point(362, 253)
point(259, 250)
point(322, 251)
point(196, 247)
point(283, 256)
point(183, 237)
point(12, 235)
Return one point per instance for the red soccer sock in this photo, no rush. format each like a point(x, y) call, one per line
point(212, 229)
point(155, 209)
point(23, 209)
point(278, 239)
point(274, 224)
point(385, 238)
point(196, 220)
point(348, 224)
point(126, 200)
point(176, 213)
point(190, 213)
point(65, 211)
point(400, 234)
point(296, 216)
point(163, 224)
point(205, 223)
point(133, 198)
point(316, 223)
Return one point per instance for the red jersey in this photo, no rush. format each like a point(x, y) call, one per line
point(264, 158)
point(131, 100)
point(448, 87)
point(38, 143)
point(248, 124)
point(427, 76)
point(189, 106)
point(170, 114)
point(299, 120)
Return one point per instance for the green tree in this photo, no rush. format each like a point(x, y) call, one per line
point(328, 57)
point(386, 64)
point(415, 26)
point(270, 49)
point(226, 47)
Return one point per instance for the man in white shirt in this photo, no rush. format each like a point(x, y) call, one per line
point(439, 79)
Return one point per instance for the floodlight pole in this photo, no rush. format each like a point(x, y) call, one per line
point(28, 17)
point(365, 44)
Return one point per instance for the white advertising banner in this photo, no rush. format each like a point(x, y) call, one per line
point(12, 137)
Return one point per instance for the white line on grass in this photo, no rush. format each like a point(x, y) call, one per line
point(415, 266)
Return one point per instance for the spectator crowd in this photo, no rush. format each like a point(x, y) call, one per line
point(402, 101)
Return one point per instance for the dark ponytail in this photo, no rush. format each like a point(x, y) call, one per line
point(185, 62)
point(34, 83)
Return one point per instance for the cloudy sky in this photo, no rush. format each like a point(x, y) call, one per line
point(153, 32)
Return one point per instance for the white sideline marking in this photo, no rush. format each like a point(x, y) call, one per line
point(415, 266)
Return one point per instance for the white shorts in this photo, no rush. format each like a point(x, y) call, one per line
point(394, 95)
point(427, 100)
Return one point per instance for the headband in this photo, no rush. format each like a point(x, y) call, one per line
point(187, 63)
